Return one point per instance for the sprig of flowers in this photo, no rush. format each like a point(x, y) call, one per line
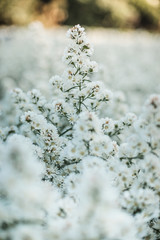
point(104, 170)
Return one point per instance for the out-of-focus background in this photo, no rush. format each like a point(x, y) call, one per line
point(124, 33)
point(104, 13)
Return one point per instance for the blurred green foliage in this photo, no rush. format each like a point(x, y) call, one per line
point(115, 13)
point(104, 13)
point(17, 12)
point(149, 15)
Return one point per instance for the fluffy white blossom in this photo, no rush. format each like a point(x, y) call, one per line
point(78, 164)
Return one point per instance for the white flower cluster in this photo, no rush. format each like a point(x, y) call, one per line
point(71, 171)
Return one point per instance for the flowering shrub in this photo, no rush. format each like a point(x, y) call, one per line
point(129, 62)
point(69, 170)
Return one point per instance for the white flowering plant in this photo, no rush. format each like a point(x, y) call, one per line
point(70, 171)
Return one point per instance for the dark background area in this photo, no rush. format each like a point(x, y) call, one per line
point(99, 13)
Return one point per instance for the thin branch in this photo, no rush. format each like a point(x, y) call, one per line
point(61, 134)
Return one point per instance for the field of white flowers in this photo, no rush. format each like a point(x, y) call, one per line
point(79, 141)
